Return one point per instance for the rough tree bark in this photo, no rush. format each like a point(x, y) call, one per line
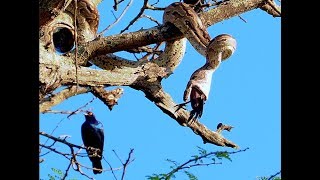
point(59, 70)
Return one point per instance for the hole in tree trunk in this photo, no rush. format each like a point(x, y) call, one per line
point(63, 40)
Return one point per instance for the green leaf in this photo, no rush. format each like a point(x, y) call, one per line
point(173, 162)
point(190, 176)
point(202, 151)
point(221, 155)
point(51, 177)
point(58, 172)
point(196, 158)
point(153, 177)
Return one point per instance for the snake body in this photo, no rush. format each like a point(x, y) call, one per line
point(185, 18)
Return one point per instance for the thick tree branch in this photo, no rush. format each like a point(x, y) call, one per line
point(119, 76)
point(61, 96)
point(156, 94)
point(120, 42)
point(272, 8)
point(109, 98)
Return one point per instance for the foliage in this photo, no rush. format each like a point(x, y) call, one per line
point(203, 158)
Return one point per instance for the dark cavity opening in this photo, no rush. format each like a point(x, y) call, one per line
point(63, 40)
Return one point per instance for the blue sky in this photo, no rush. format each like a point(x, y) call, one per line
point(245, 93)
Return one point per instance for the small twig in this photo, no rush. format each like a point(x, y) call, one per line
point(44, 153)
point(54, 150)
point(111, 169)
point(137, 17)
point(270, 178)
point(155, 3)
point(60, 140)
point(126, 163)
point(62, 112)
point(117, 19)
point(200, 164)
point(151, 19)
point(151, 7)
point(242, 19)
point(115, 6)
point(79, 109)
point(66, 173)
point(184, 165)
point(117, 156)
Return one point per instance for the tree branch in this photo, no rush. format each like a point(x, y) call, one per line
point(61, 96)
point(117, 19)
point(156, 94)
point(120, 42)
point(271, 8)
point(109, 98)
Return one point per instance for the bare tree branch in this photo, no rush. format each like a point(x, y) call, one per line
point(126, 164)
point(271, 8)
point(66, 173)
point(193, 162)
point(79, 109)
point(109, 98)
point(116, 3)
point(117, 19)
point(137, 17)
point(161, 33)
point(271, 177)
point(156, 94)
point(61, 96)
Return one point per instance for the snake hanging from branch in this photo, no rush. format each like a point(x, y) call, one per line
point(177, 15)
point(184, 17)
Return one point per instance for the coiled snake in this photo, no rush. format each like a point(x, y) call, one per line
point(182, 16)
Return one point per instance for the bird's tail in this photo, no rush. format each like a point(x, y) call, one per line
point(97, 164)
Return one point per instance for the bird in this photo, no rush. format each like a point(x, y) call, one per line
point(197, 99)
point(92, 134)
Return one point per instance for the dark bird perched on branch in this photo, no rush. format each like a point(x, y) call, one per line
point(93, 138)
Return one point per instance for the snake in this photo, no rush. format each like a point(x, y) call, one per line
point(185, 18)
